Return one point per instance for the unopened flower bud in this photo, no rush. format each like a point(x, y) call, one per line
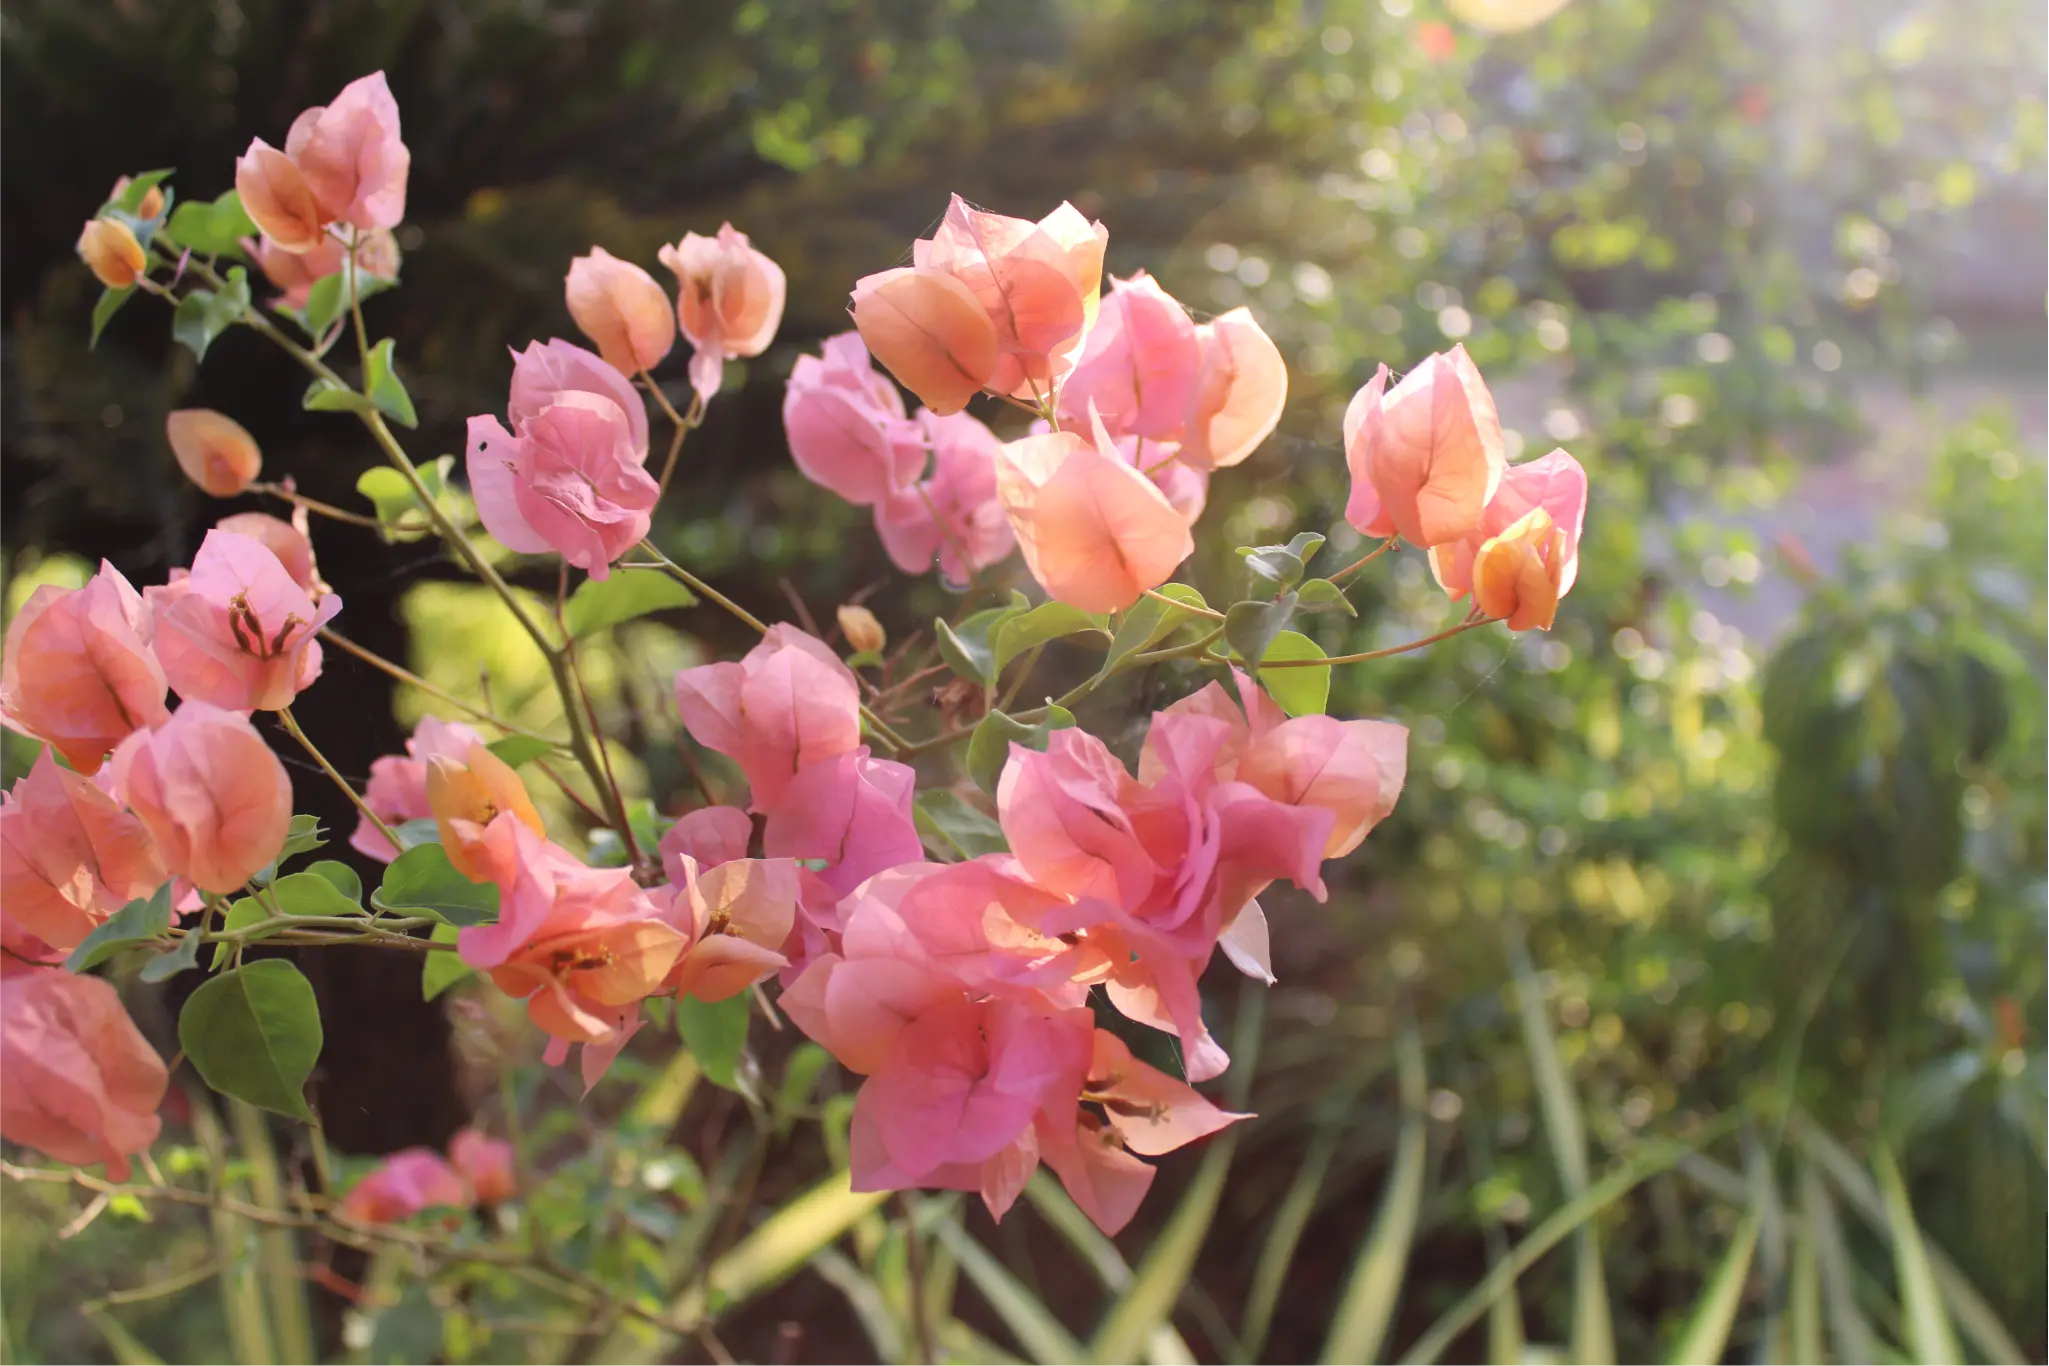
point(214, 450)
point(152, 198)
point(862, 630)
point(110, 250)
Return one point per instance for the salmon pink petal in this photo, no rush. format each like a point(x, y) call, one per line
point(621, 308)
point(1094, 531)
point(850, 810)
point(1557, 484)
point(1107, 1182)
point(1238, 395)
point(69, 855)
point(213, 796)
point(930, 331)
point(1150, 1112)
point(1139, 364)
point(544, 370)
point(1431, 449)
point(1354, 769)
point(711, 835)
point(276, 196)
point(1062, 811)
point(79, 671)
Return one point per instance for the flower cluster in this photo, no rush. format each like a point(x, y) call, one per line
point(960, 991)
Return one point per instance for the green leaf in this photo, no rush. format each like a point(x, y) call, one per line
point(104, 311)
point(1321, 595)
point(391, 494)
point(1047, 621)
point(969, 649)
point(1367, 1307)
point(136, 923)
point(343, 877)
point(989, 746)
point(328, 300)
point(383, 386)
point(1706, 1336)
point(326, 396)
point(1250, 627)
point(254, 1034)
point(422, 880)
point(952, 828)
point(215, 229)
point(1150, 621)
point(169, 964)
point(1928, 1331)
point(202, 315)
point(443, 970)
point(1282, 566)
point(1037, 1329)
point(414, 833)
point(598, 604)
point(1300, 691)
point(515, 750)
point(305, 835)
point(715, 1032)
point(313, 893)
point(129, 201)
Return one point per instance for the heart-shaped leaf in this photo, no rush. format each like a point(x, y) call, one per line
point(138, 922)
point(628, 593)
point(515, 750)
point(1047, 621)
point(1150, 621)
point(203, 315)
point(326, 396)
point(215, 229)
point(1321, 595)
point(254, 1034)
point(422, 881)
point(1299, 691)
point(1250, 627)
point(104, 311)
point(167, 965)
point(715, 1032)
point(384, 388)
point(953, 829)
point(314, 892)
point(442, 970)
point(989, 746)
point(969, 649)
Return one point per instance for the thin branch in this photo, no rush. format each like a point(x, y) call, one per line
point(284, 715)
point(411, 679)
point(1446, 634)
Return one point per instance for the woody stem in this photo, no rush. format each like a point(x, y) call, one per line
point(1391, 543)
point(312, 504)
point(411, 679)
point(284, 715)
point(1402, 649)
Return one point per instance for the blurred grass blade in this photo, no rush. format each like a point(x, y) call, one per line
point(1654, 1158)
point(1973, 1315)
point(1290, 1219)
point(1507, 1342)
point(1771, 1247)
point(1706, 1335)
point(234, 1245)
point(1803, 1287)
point(1365, 1310)
point(1928, 1332)
point(1044, 1337)
point(122, 1345)
point(1593, 1327)
point(865, 1298)
point(290, 1317)
point(1166, 1347)
point(1846, 1326)
point(1167, 1264)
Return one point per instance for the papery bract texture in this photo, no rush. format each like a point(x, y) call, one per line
point(953, 515)
point(238, 631)
point(69, 855)
point(1426, 456)
point(211, 793)
point(79, 672)
point(397, 790)
point(729, 300)
point(621, 308)
point(78, 1082)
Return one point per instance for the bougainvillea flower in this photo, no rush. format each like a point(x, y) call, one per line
point(735, 918)
point(295, 273)
point(237, 631)
point(78, 1082)
point(1555, 483)
point(465, 795)
point(279, 201)
point(111, 252)
point(582, 970)
point(709, 836)
point(404, 1184)
point(1094, 531)
point(152, 203)
point(846, 425)
point(729, 300)
point(790, 702)
point(1516, 575)
point(213, 796)
point(288, 541)
point(397, 790)
point(543, 890)
point(1427, 456)
point(953, 515)
point(570, 476)
point(215, 451)
point(79, 672)
point(351, 156)
point(621, 308)
point(929, 330)
point(1037, 283)
point(852, 811)
point(1139, 366)
point(1239, 393)
point(485, 1164)
point(69, 855)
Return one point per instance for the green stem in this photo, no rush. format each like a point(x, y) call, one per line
point(284, 715)
point(1391, 543)
point(412, 679)
point(1380, 654)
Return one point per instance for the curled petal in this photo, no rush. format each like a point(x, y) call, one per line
point(930, 331)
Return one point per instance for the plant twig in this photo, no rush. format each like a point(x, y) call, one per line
point(284, 715)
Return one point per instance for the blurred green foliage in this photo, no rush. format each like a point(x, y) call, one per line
point(1798, 862)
